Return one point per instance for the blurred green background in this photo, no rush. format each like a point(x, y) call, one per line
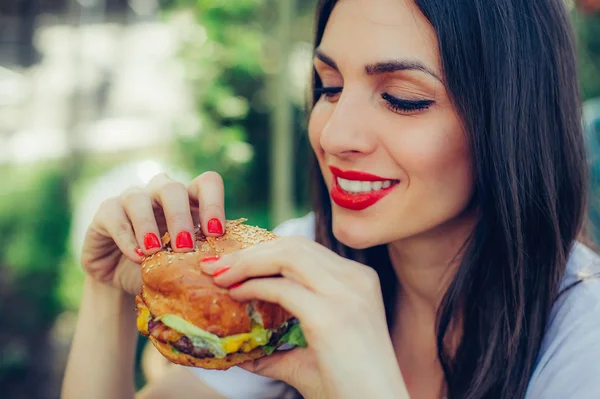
point(99, 95)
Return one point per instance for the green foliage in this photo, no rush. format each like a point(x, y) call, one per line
point(222, 56)
point(34, 224)
point(228, 60)
point(588, 34)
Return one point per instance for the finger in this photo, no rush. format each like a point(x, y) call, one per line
point(306, 266)
point(128, 276)
point(208, 190)
point(293, 297)
point(287, 366)
point(289, 247)
point(138, 207)
point(173, 197)
point(111, 220)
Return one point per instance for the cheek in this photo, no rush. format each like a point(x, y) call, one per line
point(438, 168)
point(434, 156)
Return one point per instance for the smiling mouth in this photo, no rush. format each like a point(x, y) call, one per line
point(361, 187)
point(355, 190)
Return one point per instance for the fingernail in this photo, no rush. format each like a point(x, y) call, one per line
point(210, 259)
point(151, 241)
point(221, 270)
point(215, 226)
point(138, 251)
point(233, 286)
point(184, 240)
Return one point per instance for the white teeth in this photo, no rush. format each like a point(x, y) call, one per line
point(355, 186)
point(344, 184)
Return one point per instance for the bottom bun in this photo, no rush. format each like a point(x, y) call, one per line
point(184, 359)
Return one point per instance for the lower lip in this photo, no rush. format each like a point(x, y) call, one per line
point(357, 202)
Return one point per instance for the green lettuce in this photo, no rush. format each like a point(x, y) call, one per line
point(294, 336)
point(198, 336)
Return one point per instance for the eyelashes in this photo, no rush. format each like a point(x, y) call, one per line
point(402, 105)
point(395, 104)
point(328, 93)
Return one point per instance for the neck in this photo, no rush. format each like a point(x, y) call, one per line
point(425, 264)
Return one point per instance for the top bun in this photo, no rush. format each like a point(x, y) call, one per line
point(173, 283)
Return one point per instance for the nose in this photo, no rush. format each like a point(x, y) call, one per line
point(348, 132)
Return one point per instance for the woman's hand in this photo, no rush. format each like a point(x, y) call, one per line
point(339, 305)
point(127, 228)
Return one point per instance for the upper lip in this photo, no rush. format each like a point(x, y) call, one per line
point(356, 175)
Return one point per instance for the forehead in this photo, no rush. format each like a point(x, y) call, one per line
point(365, 31)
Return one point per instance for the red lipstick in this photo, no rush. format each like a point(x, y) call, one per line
point(356, 175)
point(358, 201)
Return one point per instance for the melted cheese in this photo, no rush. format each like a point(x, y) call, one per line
point(247, 341)
point(235, 342)
point(240, 342)
point(143, 319)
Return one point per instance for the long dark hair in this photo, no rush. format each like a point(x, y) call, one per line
point(509, 67)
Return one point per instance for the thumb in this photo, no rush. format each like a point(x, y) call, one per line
point(128, 276)
point(296, 367)
point(273, 366)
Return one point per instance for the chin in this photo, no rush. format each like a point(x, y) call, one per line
point(357, 232)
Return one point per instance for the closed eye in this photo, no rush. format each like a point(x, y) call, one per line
point(330, 94)
point(396, 104)
point(401, 105)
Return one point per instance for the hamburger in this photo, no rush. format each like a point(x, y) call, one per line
point(193, 322)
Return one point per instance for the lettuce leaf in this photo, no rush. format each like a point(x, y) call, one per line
point(198, 336)
point(294, 336)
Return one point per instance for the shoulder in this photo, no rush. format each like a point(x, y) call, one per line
point(303, 226)
point(583, 265)
point(569, 360)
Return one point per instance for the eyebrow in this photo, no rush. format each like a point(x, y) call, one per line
point(379, 68)
point(398, 65)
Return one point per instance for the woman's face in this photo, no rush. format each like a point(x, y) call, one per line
point(389, 143)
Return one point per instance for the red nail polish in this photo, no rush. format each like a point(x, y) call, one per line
point(235, 286)
point(212, 258)
point(221, 270)
point(184, 240)
point(215, 226)
point(139, 252)
point(151, 241)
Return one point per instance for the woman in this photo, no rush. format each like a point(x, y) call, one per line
point(450, 160)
